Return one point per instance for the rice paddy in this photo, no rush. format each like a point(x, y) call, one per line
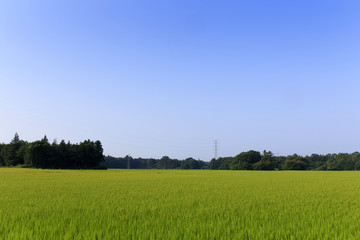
point(178, 204)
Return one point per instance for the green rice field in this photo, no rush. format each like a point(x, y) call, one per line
point(178, 204)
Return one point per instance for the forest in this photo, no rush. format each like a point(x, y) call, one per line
point(89, 155)
point(250, 160)
point(152, 163)
point(42, 154)
point(253, 160)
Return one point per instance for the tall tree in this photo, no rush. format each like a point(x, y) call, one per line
point(16, 139)
point(10, 155)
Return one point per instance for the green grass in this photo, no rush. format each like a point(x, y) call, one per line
point(178, 204)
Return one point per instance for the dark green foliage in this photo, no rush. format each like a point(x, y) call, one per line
point(214, 164)
point(42, 154)
point(245, 160)
point(151, 163)
point(2, 163)
point(39, 155)
point(16, 139)
point(112, 162)
point(89, 155)
point(355, 157)
point(221, 163)
point(341, 161)
point(267, 162)
point(317, 161)
point(190, 163)
point(10, 154)
point(168, 163)
point(296, 162)
point(279, 162)
point(252, 160)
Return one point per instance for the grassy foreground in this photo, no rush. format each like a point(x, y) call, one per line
point(178, 204)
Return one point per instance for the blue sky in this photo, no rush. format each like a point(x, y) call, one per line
point(155, 78)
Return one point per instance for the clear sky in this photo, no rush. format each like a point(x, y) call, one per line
point(155, 78)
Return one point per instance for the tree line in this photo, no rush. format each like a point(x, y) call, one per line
point(152, 163)
point(253, 160)
point(42, 154)
point(89, 155)
point(250, 160)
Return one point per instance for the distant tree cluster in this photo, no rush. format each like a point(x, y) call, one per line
point(151, 163)
point(250, 160)
point(89, 155)
point(42, 154)
point(253, 160)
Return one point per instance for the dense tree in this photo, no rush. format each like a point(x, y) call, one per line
point(245, 160)
point(190, 163)
point(355, 157)
point(41, 154)
point(222, 163)
point(317, 162)
point(2, 163)
point(279, 162)
point(341, 161)
point(89, 154)
point(267, 162)
point(214, 164)
point(253, 160)
point(10, 152)
point(112, 162)
point(151, 163)
point(296, 162)
point(164, 162)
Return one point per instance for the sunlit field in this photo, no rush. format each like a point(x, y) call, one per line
point(178, 204)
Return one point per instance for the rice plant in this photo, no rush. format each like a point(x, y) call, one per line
point(178, 204)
